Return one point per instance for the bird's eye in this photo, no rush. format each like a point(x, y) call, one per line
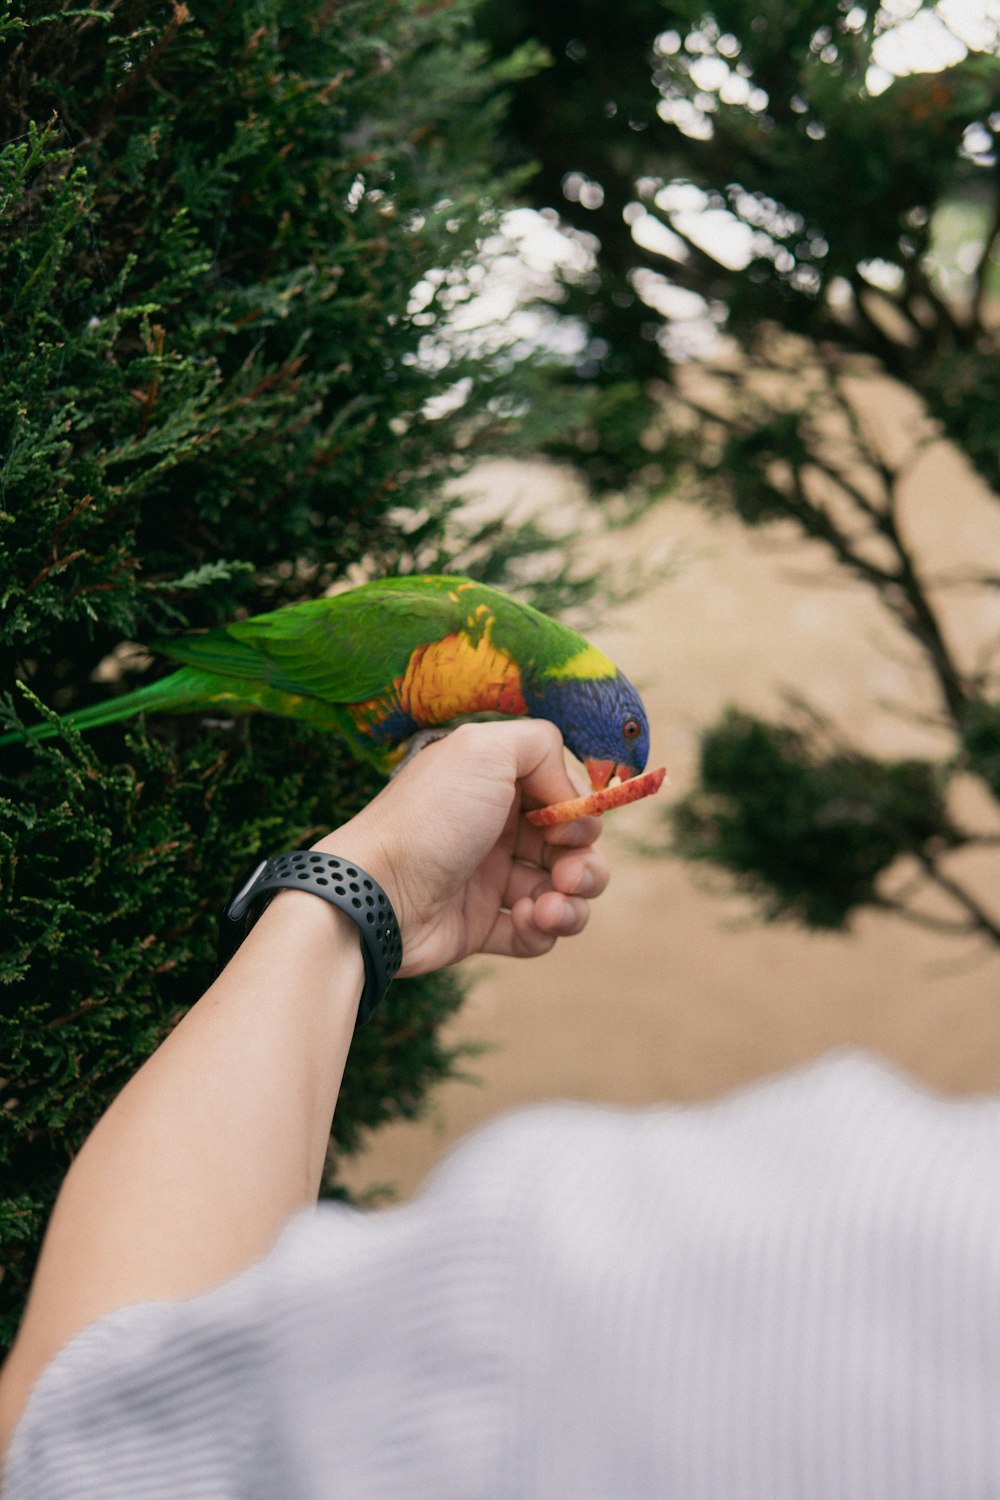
point(630, 729)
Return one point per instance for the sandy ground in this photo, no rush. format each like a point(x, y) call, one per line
point(674, 992)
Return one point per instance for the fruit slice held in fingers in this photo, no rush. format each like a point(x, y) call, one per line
point(603, 801)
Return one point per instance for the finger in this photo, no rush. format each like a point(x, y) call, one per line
point(575, 833)
point(575, 872)
point(531, 928)
point(524, 880)
point(520, 938)
point(542, 846)
point(583, 872)
point(562, 916)
point(540, 765)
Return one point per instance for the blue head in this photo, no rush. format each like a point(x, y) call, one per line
point(601, 719)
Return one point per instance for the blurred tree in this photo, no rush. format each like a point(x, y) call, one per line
point(763, 198)
point(231, 242)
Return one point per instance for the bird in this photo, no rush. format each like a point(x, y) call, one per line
point(392, 661)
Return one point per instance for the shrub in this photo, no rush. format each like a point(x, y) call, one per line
point(213, 398)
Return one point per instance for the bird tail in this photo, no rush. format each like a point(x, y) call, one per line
point(177, 694)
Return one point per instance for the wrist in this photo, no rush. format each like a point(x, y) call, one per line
point(317, 945)
point(365, 848)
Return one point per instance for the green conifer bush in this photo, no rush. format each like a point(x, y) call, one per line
point(213, 399)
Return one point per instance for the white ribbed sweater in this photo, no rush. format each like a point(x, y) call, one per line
point(790, 1294)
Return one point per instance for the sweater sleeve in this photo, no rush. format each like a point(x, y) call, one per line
point(363, 1356)
point(156, 1400)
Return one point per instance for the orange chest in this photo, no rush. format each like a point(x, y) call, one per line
point(456, 676)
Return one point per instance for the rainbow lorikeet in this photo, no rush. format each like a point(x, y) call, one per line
point(384, 661)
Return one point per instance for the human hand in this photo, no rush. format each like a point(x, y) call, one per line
point(464, 869)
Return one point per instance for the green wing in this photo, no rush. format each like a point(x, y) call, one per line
point(534, 640)
point(344, 649)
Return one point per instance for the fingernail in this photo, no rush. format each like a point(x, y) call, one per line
point(585, 885)
point(568, 915)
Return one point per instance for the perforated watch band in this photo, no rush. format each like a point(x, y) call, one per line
point(346, 887)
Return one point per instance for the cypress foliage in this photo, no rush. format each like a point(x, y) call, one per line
point(213, 392)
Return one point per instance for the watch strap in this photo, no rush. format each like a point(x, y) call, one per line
point(345, 886)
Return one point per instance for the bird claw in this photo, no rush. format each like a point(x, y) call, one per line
point(425, 737)
point(418, 742)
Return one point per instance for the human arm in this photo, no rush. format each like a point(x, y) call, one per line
point(221, 1135)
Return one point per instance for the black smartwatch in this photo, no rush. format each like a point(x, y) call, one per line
point(347, 887)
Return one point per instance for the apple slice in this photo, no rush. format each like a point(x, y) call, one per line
point(598, 802)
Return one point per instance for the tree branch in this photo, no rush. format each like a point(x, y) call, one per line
point(981, 273)
point(917, 285)
point(979, 918)
point(902, 589)
point(816, 521)
point(869, 453)
point(896, 357)
point(945, 925)
point(917, 614)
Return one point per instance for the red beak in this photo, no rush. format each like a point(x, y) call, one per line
point(601, 772)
